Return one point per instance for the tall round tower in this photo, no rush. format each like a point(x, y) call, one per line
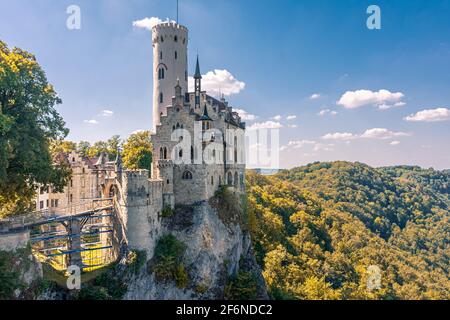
point(170, 43)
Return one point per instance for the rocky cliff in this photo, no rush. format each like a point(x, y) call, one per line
point(217, 255)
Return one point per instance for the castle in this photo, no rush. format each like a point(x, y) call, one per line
point(198, 146)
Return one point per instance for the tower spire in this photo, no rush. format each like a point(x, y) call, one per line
point(197, 75)
point(198, 85)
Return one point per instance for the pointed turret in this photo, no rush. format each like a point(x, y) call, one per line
point(198, 74)
point(198, 85)
point(205, 115)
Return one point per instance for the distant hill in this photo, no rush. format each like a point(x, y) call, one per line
point(317, 229)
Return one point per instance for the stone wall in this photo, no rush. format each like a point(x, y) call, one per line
point(13, 241)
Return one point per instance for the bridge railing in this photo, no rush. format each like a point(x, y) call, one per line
point(35, 217)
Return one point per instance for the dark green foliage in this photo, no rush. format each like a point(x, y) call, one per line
point(167, 212)
point(9, 275)
point(167, 262)
point(243, 287)
point(316, 229)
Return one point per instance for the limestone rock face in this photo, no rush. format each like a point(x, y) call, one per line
point(215, 251)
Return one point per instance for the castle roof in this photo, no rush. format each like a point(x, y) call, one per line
point(205, 116)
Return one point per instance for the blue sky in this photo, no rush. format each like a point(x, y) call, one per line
point(284, 51)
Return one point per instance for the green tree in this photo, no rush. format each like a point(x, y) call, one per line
point(137, 151)
point(28, 124)
point(83, 148)
point(61, 146)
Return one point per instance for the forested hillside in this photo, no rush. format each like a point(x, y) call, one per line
point(316, 229)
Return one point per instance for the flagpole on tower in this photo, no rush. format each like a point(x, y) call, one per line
point(177, 11)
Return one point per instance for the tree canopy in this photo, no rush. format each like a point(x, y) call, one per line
point(137, 151)
point(29, 122)
point(318, 229)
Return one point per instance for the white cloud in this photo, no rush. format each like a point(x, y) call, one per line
point(315, 96)
point(394, 143)
point(149, 23)
point(291, 117)
point(92, 121)
point(359, 98)
point(382, 133)
point(292, 126)
point(219, 82)
point(276, 118)
point(266, 125)
point(323, 147)
point(343, 136)
point(326, 112)
point(245, 115)
point(390, 106)
point(137, 131)
point(375, 133)
point(297, 144)
point(107, 113)
point(430, 115)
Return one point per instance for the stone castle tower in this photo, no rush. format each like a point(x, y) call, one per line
point(170, 63)
point(198, 145)
point(198, 140)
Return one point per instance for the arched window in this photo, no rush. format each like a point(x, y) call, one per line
point(165, 153)
point(187, 175)
point(161, 97)
point(178, 125)
point(180, 153)
point(230, 179)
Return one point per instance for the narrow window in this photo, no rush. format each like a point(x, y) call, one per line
point(176, 55)
point(56, 203)
point(175, 38)
point(161, 98)
point(160, 55)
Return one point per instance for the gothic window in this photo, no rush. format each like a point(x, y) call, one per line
point(165, 153)
point(161, 98)
point(180, 153)
point(187, 175)
point(178, 125)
